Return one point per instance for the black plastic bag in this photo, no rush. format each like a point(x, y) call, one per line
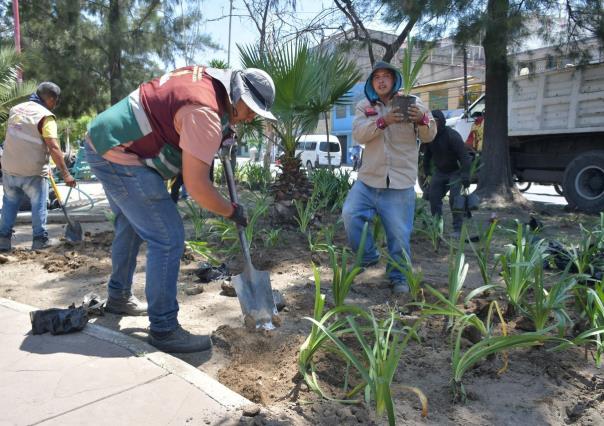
point(206, 272)
point(58, 321)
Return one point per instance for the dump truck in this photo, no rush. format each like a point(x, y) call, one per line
point(555, 130)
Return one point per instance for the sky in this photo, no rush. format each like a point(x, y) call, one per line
point(243, 31)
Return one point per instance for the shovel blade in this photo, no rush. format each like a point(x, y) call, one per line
point(73, 231)
point(255, 295)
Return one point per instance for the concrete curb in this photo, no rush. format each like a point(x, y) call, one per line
point(59, 217)
point(215, 390)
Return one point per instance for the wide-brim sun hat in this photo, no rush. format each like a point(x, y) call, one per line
point(256, 88)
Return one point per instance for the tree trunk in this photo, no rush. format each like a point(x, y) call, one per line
point(495, 178)
point(114, 48)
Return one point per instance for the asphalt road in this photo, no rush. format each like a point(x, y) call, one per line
point(545, 194)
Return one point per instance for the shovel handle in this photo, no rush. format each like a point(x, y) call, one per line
point(228, 172)
point(58, 195)
point(55, 188)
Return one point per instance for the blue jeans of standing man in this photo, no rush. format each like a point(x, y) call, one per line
point(396, 208)
point(143, 211)
point(15, 189)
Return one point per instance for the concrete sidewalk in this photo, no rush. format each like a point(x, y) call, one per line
point(101, 377)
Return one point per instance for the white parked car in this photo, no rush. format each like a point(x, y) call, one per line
point(315, 150)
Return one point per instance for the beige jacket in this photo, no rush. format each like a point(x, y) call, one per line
point(392, 152)
point(25, 152)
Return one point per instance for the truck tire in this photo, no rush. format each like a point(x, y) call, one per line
point(583, 183)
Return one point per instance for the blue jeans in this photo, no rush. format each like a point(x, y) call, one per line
point(15, 189)
point(396, 208)
point(143, 212)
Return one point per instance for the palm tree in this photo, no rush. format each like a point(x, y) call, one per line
point(336, 79)
point(308, 83)
point(12, 91)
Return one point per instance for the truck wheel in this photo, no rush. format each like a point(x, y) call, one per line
point(584, 182)
point(523, 186)
point(309, 167)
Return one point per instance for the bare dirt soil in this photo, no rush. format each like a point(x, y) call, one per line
point(539, 387)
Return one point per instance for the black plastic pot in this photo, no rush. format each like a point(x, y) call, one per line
point(404, 102)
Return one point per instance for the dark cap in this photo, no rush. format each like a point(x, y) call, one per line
point(48, 89)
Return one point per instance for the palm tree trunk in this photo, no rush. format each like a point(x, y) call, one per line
point(328, 140)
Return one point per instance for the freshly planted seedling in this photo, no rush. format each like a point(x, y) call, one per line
point(482, 250)
point(548, 301)
point(383, 343)
point(305, 213)
point(194, 212)
point(413, 276)
point(517, 267)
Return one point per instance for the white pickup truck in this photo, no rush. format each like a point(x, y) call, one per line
point(556, 131)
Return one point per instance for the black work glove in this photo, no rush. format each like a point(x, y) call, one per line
point(465, 182)
point(238, 216)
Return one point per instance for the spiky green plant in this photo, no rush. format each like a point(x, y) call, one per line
point(383, 343)
point(432, 227)
point(547, 302)
point(591, 303)
point(227, 230)
point(482, 250)
point(203, 249)
point(462, 362)
point(413, 276)
point(195, 214)
point(255, 177)
point(305, 213)
point(518, 264)
point(409, 69)
point(458, 269)
point(271, 237)
point(343, 274)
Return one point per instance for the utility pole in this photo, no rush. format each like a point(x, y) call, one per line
point(465, 79)
point(230, 19)
point(17, 35)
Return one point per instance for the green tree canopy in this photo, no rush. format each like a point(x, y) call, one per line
point(98, 51)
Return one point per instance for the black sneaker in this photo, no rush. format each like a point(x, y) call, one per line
point(41, 243)
point(5, 243)
point(179, 340)
point(369, 264)
point(129, 306)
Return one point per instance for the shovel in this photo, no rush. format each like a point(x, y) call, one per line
point(73, 229)
point(253, 287)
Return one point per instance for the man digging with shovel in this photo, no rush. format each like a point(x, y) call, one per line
point(170, 124)
point(31, 137)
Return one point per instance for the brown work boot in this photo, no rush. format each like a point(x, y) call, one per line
point(129, 306)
